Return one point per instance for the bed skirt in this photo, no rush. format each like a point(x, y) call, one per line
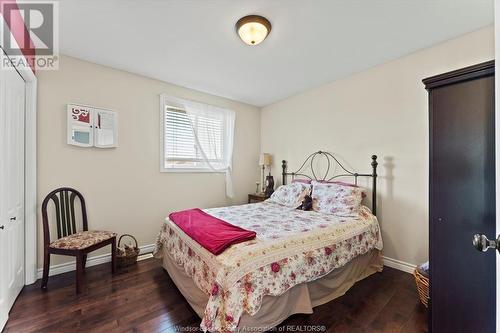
point(300, 299)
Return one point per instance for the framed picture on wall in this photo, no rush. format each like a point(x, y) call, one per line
point(80, 125)
point(90, 126)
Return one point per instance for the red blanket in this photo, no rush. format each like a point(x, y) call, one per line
point(210, 232)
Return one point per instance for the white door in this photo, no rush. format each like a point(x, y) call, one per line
point(12, 128)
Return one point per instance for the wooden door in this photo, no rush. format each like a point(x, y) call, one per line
point(12, 108)
point(462, 199)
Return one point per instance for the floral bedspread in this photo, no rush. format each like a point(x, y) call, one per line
point(291, 247)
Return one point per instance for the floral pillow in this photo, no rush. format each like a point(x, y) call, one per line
point(337, 199)
point(290, 195)
point(302, 180)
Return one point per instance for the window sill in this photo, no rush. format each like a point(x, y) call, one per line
point(190, 170)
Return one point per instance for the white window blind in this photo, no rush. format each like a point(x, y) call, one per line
point(196, 137)
point(181, 149)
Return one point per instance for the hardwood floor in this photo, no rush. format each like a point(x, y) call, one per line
point(144, 299)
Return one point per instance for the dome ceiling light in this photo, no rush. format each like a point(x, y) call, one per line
point(253, 29)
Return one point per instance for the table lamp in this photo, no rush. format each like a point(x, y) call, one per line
point(265, 160)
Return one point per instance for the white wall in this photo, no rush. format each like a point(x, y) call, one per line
point(380, 111)
point(123, 187)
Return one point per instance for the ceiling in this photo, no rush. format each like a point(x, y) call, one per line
point(194, 44)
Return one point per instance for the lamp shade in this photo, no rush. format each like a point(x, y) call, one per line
point(265, 159)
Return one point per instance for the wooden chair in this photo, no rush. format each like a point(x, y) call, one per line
point(70, 241)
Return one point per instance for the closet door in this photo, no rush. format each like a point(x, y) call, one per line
point(462, 199)
point(12, 108)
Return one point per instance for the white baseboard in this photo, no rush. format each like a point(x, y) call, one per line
point(91, 261)
point(399, 265)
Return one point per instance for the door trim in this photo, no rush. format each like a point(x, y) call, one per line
point(30, 196)
point(30, 199)
point(460, 75)
point(497, 148)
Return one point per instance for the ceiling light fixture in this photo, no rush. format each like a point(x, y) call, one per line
point(253, 29)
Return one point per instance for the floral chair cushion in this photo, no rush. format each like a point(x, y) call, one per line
point(81, 240)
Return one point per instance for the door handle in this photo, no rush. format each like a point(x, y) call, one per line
point(13, 218)
point(2, 227)
point(483, 244)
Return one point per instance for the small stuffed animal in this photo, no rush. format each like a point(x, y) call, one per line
point(129, 250)
point(307, 203)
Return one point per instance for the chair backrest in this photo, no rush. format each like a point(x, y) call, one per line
point(64, 202)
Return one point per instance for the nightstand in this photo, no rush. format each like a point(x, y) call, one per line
point(256, 197)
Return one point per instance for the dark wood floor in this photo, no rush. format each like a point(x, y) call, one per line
point(144, 299)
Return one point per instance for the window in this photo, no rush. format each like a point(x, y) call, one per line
point(195, 137)
point(181, 149)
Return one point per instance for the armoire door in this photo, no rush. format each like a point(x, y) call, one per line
point(462, 199)
point(12, 175)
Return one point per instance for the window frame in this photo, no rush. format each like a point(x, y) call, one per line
point(197, 169)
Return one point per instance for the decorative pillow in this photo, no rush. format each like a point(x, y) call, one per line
point(302, 180)
point(337, 199)
point(336, 182)
point(363, 193)
point(290, 195)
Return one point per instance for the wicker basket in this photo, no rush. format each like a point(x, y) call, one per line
point(126, 258)
point(422, 287)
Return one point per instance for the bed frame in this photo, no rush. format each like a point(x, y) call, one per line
point(331, 159)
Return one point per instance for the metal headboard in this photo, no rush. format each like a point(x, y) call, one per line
point(346, 173)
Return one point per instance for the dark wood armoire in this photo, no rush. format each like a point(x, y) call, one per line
point(462, 199)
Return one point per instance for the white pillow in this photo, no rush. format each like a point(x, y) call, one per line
point(337, 199)
point(290, 195)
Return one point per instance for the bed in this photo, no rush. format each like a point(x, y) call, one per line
point(299, 259)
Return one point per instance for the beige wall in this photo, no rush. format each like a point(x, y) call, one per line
point(380, 111)
point(124, 189)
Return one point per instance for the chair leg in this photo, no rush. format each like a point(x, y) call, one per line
point(46, 266)
point(84, 262)
point(79, 273)
point(113, 255)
